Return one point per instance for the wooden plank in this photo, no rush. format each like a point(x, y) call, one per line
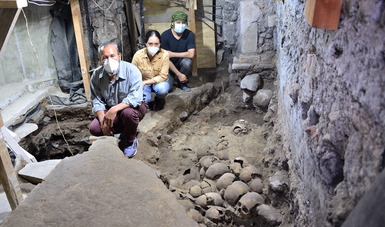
point(131, 25)
point(323, 14)
point(8, 18)
point(78, 27)
point(14, 146)
point(192, 25)
point(8, 176)
point(205, 41)
point(13, 4)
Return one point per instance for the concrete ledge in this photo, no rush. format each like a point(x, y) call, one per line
point(176, 103)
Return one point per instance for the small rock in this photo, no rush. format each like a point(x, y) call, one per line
point(269, 214)
point(36, 172)
point(167, 138)
point(247, 97)
point(183, 116)
point(251, 82)
point(279, 182)
point(294, 91)
point(262, 98)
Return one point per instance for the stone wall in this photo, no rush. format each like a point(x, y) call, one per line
point(105, 21)
point(332, 115)
point(246, 29)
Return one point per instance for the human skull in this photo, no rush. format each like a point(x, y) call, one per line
point(214, 199)
point(225, 180)
point(216, 214)
point(235, 191)
point(249, 172)
point(207, 161)
point(246, 205)
point(216, 170)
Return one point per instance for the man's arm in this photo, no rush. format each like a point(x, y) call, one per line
point(99, 106)
point(182, 77)
point(190, 53)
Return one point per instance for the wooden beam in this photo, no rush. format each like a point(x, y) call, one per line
point(78, 27)
point(13, 4)
point(8, 18)
point(323, 14)
point(191, 10)
point(15, 147)
point(131, 25)
point(8, 176)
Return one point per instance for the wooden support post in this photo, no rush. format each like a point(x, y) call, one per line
point(131, 25)
point(13, 3)
point(191, 10)
point(78, 27)
point(8, 18)
point(324, 14)
point(8, 176)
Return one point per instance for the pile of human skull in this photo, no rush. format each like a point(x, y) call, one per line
point(232, 193)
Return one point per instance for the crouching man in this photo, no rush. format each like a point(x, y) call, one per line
point(117, 98)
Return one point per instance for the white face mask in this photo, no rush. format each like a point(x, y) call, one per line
point(152, 50)
point(111, 66)
point(179, 28)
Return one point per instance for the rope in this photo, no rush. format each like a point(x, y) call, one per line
point(101, 7)
point(37, 57)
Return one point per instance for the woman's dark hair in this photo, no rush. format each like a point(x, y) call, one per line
point(152, 33)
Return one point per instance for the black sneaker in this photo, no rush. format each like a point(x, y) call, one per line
point(185, 88)
point(158, 104)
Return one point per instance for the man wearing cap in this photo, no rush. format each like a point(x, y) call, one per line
point(180, 45)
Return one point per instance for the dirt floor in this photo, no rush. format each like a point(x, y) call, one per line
point(224, 130)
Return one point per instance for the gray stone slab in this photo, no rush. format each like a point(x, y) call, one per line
point(25, 129)
point(100, 187)
point(38, 171)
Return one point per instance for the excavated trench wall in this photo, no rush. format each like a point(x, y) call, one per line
point(332, 115)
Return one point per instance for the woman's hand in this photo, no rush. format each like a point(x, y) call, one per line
point(182, 78)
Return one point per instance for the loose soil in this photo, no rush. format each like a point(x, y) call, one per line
point(224, 128)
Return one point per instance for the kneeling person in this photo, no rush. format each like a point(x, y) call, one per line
point(117, 98)
point(154, 63)
point(180, 45)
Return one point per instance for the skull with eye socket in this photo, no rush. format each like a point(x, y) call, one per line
point(245, 208)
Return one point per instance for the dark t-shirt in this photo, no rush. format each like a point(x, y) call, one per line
point(169, 42)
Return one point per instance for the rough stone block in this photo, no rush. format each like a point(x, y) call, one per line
point(36, 172)
point(251, 82)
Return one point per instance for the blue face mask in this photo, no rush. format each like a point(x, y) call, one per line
point(179, 28)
